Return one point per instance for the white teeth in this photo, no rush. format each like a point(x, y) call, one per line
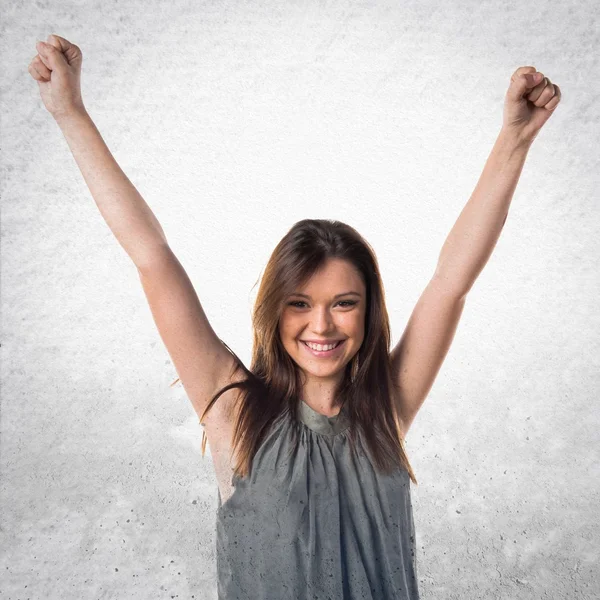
point(320, 348)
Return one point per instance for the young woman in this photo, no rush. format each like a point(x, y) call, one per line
point(308, 444)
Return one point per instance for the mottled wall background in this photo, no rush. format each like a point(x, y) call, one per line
point(235, 120)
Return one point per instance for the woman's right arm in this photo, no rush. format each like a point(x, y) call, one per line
point(202, 362)
point(125, 211)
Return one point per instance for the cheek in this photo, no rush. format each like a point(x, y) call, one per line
point(285, 326)
point(289, 330)
point(353, 324)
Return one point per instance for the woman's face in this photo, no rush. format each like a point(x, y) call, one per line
point(315, 313)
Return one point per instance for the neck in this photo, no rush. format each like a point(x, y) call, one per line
point(321, 395)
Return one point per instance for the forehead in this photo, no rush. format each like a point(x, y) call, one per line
point(334, 275)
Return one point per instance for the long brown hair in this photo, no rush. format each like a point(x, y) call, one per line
point(273, 382)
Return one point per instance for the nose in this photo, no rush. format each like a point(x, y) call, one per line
point(322, 322)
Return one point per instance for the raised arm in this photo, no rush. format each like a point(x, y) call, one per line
point(418, 356)
point(202, 362)
point(57, 69)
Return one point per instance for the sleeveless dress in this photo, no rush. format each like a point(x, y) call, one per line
point(316, 524)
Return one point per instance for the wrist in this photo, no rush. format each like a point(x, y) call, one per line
point(513, 139)
point(72, 117)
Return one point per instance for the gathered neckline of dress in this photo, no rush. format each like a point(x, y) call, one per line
point(323, 424)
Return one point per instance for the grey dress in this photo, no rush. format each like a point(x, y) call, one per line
point(319, 525)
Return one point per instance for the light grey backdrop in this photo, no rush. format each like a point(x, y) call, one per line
point(235, 120)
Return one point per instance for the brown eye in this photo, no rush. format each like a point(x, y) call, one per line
point(347, 302)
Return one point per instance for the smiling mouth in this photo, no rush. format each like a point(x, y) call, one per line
point(323, 352)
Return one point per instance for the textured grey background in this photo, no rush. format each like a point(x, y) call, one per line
point(235, 120)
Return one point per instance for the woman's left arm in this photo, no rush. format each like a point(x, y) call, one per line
point(418, 356)
point(530, 101)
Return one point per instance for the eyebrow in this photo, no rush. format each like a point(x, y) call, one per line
point(336, 296)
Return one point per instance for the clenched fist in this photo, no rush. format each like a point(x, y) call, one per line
point(57, 69)
point(529, 102)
